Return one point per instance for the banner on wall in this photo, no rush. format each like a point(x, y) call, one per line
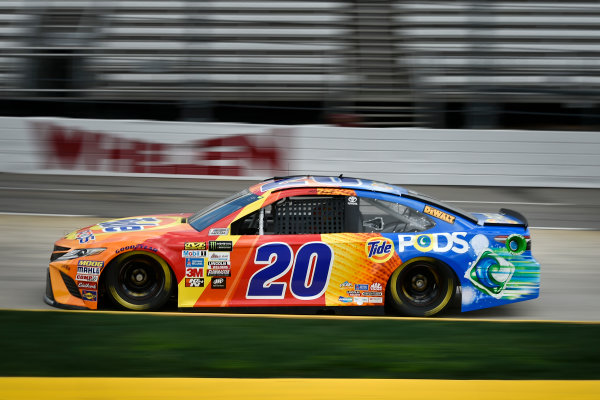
point(63, 147)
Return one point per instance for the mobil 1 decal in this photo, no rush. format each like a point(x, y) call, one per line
point(310, 269)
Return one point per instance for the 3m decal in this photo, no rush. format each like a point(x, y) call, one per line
point(218, 245)
point(439, 214)
point(379, 249)
point(218, 232)
point(311, 270)
point(193, 253)
point(194, 272)
point(128, 224)
point(89, 295)
point(218, 283)
point(194, 282)
point(436, 242)
point(194, 246)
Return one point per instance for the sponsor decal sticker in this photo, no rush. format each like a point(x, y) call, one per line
point(136, 247)
point(193, 253)
point(194, 272)
point(361, 286)
point(219, 256)
point(89, 295)
point(361, 300)
point(376, 286)
point(218, 272)
point(436, 242)
point(87, 285)
point(88, 270)
point(376, 300)
point(86, 278)
point(194, 282)
point(439, 214)
point(194, 262)
point(352, 201)
point(219, 264)
point(342, 299)
point(379, 249)
point(353, 292)
point(218, 232)
point(218, 283)
point(90, 263)
point(85, 236)
point(372, 293)
point(128, 224)
point(218, 245)
point(346, 284)
point(194, 246)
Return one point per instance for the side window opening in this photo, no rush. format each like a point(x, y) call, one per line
point(331, 214)
point(295, 215)
point(388, 217)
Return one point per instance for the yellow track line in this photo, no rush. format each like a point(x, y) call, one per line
point(292, 316)
point(291, 388)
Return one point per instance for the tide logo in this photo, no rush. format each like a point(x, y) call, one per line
point(379, 249)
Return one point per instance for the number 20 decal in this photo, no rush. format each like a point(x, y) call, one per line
point(311, 270)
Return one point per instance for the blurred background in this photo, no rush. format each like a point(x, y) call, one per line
point(371, 63)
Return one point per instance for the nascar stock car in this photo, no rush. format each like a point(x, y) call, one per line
point(305, 241)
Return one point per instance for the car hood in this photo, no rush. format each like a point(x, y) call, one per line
point(127, 226)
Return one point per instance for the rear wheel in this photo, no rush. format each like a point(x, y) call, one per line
point(421, 288)
point(139, 281)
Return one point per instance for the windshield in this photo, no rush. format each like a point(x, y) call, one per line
point(211, 214)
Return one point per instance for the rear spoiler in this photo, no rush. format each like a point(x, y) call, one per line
point(514, 215)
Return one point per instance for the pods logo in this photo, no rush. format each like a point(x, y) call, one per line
point(379, 249)
point(436, 242)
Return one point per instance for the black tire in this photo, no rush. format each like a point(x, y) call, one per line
point(421, 288)
point(139, 281)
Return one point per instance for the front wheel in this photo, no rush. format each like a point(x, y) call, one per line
point(421, 288)
point(139, 281)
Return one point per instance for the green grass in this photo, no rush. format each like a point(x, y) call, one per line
point(134, 345)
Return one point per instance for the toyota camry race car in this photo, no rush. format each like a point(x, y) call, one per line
point(310, 241)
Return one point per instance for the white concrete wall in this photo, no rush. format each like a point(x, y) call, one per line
point(403, 155)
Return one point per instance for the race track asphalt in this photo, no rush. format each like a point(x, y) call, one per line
point(35, 210)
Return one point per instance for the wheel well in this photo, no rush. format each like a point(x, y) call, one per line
point(430, 260)
point(123, 256)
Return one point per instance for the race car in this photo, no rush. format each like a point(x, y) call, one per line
point(317, 243)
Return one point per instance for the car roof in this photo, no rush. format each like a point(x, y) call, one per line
point(341, 182)
point(316, 181)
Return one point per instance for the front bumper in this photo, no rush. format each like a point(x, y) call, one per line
point(60, 293)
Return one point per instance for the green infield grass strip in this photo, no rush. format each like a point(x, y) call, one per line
point(89, 344)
